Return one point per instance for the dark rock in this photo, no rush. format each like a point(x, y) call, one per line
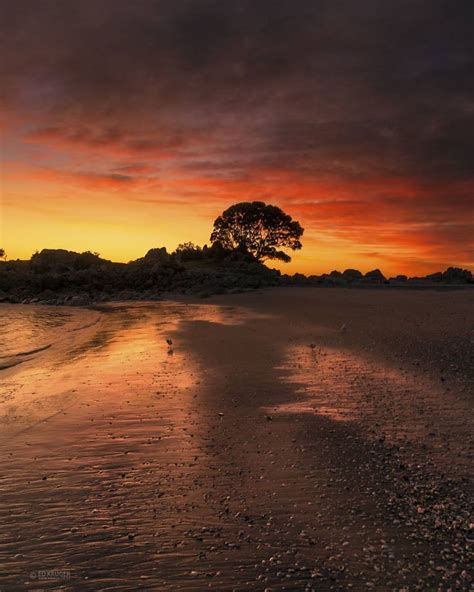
point(435, 277)
point(159, 255)
point(299, 278)
point(62, 260)
point(375, 276)
point(452, 275)
point(352, 275)
point(78, 300)
point(456, 275)
point(47, 295)
point(333, 279)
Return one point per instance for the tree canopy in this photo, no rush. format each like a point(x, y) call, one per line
point(259, 228)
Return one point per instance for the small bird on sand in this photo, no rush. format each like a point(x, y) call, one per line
point(170, 345)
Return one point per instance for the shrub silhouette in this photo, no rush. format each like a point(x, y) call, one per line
point(60, 259)
point(189, 252)
point(259, 229)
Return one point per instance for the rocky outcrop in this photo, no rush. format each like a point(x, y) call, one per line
point(352, 275)
point(375, 276)
point(451, 276)
point(80, 279)
point(456, 275)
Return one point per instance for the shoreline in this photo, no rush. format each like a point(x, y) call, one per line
point(85, 300)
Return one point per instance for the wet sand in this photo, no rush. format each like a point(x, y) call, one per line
point(244, 460)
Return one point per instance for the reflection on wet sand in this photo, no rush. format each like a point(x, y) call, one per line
point(124, 340)
point(29, 330)
point(103, 437)
point(125, 467)
point(390, 402)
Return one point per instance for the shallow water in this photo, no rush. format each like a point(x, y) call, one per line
point(67, 351)
point(28, 330)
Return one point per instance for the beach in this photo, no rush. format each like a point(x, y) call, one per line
point(288, 439)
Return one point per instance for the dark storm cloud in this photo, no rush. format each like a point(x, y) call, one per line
point(332, 86)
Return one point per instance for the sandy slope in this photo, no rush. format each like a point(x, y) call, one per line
point(245, 460)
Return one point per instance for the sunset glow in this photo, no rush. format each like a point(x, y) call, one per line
point(142, 135)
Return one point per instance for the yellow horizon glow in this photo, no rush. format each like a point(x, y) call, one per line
point(122, 225)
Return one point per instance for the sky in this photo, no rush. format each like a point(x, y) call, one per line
point(127, 125)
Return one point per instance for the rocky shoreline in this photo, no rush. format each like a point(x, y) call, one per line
point(55, 277)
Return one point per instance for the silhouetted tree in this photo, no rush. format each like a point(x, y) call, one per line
point(259, 229)
point(3, 255)
point(189, 246)
point(189, 252)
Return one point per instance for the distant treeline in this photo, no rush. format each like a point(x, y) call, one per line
point(56, 276)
